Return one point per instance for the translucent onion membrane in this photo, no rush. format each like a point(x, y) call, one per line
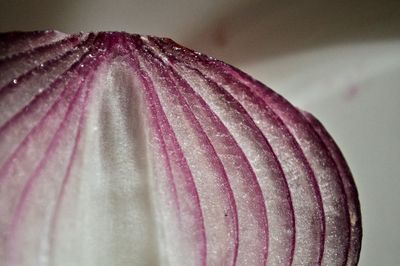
point(121, 149)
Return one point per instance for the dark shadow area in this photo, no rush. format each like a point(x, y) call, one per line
point(268, 29)
point(154, 17)
point(29, 15)
point(236, 31)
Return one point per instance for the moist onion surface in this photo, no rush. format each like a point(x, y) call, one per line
point(122, 149)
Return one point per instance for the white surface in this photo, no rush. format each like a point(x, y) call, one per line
point(304, 51)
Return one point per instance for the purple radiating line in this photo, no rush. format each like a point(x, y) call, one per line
point(54, 219)
point(67, 175)
point(280, 100)
point(167, 138)
point(45, 94)
point(36, 174)
point(46, 66)
point(157, 130)
point(201, 134)
point(9, 40)
point(314, 181)
point(244, 158)
point(40, 167)
point(350, 190)
point(226, 131)
point(53, 145)
point(8, 163)
point(205, 60)
point(148, 85)
point(69, 39)
point(24, 111)
point(309, 120)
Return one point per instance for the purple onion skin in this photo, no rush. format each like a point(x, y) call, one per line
point(119, 149)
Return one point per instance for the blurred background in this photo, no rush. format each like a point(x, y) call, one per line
point(337, 59)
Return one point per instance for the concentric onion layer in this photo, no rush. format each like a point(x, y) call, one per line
point(123, 149)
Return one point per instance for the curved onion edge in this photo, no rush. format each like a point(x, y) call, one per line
point(165, 156)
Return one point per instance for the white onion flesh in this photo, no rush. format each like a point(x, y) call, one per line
point(121, 149)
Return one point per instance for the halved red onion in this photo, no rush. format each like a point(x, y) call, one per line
point(120, 149)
